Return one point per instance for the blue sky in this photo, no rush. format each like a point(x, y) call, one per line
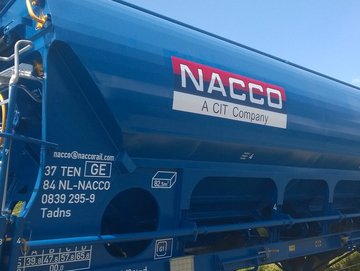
point(323, 35)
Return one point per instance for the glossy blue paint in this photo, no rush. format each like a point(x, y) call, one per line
point(104, 170)
point(140, 78)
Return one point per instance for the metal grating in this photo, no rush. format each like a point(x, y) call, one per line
point(25, 71)
point(182, 264)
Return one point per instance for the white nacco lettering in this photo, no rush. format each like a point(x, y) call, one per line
point(246, 91)
point(232, 82)
point(216, 84)
point(253, 86)
point(198, 85)
point(94, 185)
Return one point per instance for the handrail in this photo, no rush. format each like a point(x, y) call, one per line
point(6, 150)
point(3, 117)
point(9, 58)
point(15, 77)
point(191, 231)
point(41, 19)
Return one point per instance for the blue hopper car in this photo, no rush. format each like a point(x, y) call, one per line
point(133, 142)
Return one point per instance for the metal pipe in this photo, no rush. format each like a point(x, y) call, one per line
point(6, 181)
point(188, 232)
point(28, 45)
point(6, 151)
point(3, 116)
point(30, 140)
point(22, 50)
point(41, 19)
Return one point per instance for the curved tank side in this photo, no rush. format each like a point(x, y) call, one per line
point(138, 85)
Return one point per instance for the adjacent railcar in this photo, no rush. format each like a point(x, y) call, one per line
point(134, 142)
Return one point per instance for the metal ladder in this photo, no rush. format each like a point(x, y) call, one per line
point(25, 46)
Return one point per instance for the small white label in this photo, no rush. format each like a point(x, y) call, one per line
point(163, 248)
point(56, 259)
point(163, 180)
point(98, 169)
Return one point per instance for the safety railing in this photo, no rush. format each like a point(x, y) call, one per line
point(20, 47)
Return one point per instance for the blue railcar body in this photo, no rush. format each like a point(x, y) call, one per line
point(140, 78)
point(134, 142)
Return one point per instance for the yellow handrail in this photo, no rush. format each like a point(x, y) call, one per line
point(41, 19)
point(3, 118)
